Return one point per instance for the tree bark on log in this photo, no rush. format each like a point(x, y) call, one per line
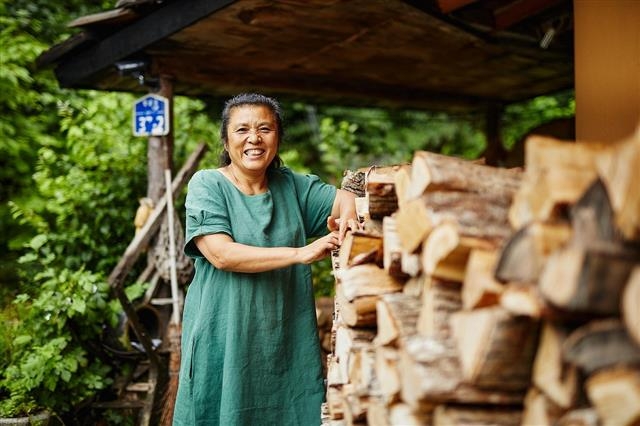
point(366, 280)
point(387, 372)
point(588, 279)
point(397, 315)
point(557, 173)
point(600, 344)
point(496, 349)
point(359, 312)
point(440, 300)
point(430, 171)
point(430, 374)
point(392, 252)
point(460, 415)
point(526, 251)
point(381, 191)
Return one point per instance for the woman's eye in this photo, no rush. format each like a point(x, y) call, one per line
point(265, 129)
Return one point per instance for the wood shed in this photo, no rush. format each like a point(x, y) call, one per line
point(457, 245)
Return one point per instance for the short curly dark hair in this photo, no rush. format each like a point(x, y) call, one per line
point(245, 99)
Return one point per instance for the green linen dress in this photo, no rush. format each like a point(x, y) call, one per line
point(250, 349)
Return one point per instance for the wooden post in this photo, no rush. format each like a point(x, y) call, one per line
point(160, 148)
point(494, 152)
point(607, 80)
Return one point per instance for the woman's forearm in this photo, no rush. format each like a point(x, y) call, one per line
point(227, 255)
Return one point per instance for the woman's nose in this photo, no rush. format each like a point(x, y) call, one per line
point(253, 135)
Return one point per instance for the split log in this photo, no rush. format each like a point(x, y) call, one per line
point(440, 299)
point(355, 405)
point(402, 181)
point(479, 287)
point(559, 382)
point(588, 279)
point(362, 209)
point(430, 374)
point(527, 300)
point(600, 344)
point(619, 171)
point(377, 413)
point(557, 174)
point(630, 308)
point(362, 368)
point(539, 410)
point(388, 374)
point(443, 256)
point(392, 249)
point(496, 349)
point(523, 299)
point(335, 403)
point(476, 215)
point(397, 314)
point(366, 280)
point(415, 285)
point(481, 216)
point(347, 340)
point(615, 394)
point(335, 373)
point(413, 224)
point(359, 247)
point(431, 172)
point(445, 252)
point(403, 414)
point(525, 252)
point(359, 312)
point(410, 264)
point(381, 191)
point(579, 417)
point(592, 217)
point(460, 415)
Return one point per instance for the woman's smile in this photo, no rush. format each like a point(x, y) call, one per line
point(253, 137)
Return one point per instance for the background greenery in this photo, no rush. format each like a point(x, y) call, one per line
point(71, 174)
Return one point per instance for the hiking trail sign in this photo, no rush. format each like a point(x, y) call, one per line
point(151, 116)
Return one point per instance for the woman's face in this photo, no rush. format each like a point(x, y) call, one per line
point(252, 140)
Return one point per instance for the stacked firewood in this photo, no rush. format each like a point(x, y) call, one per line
point(480, 295)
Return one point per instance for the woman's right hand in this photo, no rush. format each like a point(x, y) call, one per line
point(319, 249)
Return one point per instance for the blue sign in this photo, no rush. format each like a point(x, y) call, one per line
point(151, 116)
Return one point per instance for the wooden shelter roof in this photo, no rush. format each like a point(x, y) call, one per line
point(425, 54)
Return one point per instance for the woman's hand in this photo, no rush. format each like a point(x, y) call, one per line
point(343, 214)
point(319, 249)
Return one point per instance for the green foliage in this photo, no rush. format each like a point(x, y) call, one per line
point(520, 118)
point(50, 365)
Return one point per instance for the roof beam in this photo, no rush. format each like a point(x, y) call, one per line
point(519, 10)
point(448, 6)
point(131, 39)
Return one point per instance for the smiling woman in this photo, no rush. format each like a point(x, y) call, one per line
point(250, 345)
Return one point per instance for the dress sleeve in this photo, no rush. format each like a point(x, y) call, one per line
point(316, 200)
point(206, 211)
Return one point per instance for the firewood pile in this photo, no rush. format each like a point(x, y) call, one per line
point(480, 295)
